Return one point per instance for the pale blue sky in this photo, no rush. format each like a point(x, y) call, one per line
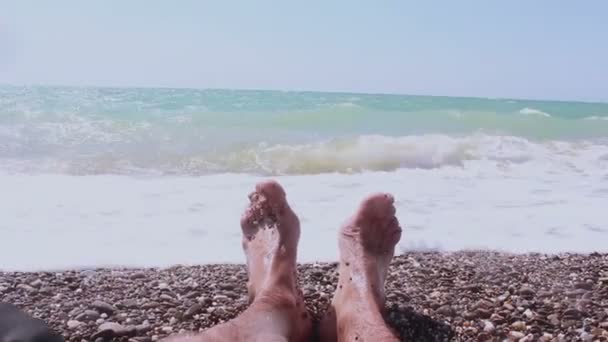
point(550, 49)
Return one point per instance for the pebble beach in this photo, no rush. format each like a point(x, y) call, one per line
point(463, 296)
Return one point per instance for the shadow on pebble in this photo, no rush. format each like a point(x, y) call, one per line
point(16, 325)
point(413, 326)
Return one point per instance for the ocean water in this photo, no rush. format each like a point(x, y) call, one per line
point(155, 177)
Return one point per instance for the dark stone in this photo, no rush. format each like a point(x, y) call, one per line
point(103, 307)
point(193, 310)
point(111, 329)
point(16, 325)
point(88, 315)
point(527, 292)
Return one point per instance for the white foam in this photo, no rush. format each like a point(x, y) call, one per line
point(61, 221)
point(605, 118)
point(348, 105)
point(532, 111)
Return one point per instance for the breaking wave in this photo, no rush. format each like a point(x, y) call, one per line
point(341, 155)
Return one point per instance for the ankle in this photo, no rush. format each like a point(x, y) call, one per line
point(279, 296)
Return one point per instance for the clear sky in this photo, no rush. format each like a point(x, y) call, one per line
point(548, 49)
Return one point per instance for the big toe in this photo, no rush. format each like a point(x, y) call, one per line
point(380, 229)
point(271, 190)
point(268, 205)
point(377, 206)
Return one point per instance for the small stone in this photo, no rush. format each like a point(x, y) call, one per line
point(585, 336)
point(219, 297)
point(527, 338)
point(220, 311)
point(36, 283)
point(576, 293)
point(469, 315)
point(45, 290)
point(488, 326)
point(584, 286)
point(228, 287)
point(88, 315)
point(497, 318)
point(484, 337)
point(150, 305)
point(528, 314)
point(73, 324)
point(165, 297)
point(553, 319)
point(143, 328)
point(193, 310)
point(604, 325)
point(483, 304)
point(166, 329)
point(567, 323)
point(103, 307)
point(503, 297)
point(111, 329)
point(526, 292)
point(163, 286)
point(140, 339)
point(26, 287)
point(482, 313)
point(445, 310)
point(518, 325)
point(516, 335)
point(546, 337)
point(129, 303)
point(191, 294)
point(572, 313)
point(138, 275)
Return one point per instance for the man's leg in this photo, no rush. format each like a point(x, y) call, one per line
point(271, 231)
point(367, 244)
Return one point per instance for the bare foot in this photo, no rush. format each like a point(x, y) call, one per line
point(367, 245)
point(271, 231)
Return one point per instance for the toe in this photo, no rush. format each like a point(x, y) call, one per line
point(378, 206)
point(271, 189)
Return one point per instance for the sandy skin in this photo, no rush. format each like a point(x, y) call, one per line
point(367, 245)
point(271, 231)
